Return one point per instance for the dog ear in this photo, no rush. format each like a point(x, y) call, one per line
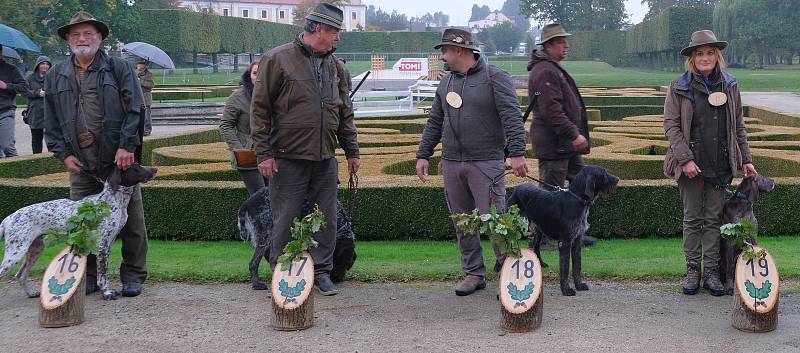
point(115, 178)
point(589, 186)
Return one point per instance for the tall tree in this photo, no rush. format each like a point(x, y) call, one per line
point(656, 6)
point(578, 15)
point(479, 12)
point(379, 20)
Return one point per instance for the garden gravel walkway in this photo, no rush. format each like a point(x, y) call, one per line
point(786, 102)
point(398, 317)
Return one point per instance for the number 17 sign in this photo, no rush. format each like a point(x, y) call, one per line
point(520, 282)
point(291, 286)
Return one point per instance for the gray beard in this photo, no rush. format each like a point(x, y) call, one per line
point(84, 53)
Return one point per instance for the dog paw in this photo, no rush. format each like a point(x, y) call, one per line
point(110, 295)
point(260, 286)
point(581, 286)
point(34, 294)
point(569, 292)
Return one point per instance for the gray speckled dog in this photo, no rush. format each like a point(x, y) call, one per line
point(23, 229)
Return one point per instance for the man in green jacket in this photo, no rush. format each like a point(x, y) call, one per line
point(300, 109)
point(92, 106)
point(147, 83)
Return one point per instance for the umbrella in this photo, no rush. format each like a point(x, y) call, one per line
point(10, 37)
point(150, 53)
point(11, 53)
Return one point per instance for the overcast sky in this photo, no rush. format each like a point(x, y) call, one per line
point(459, 10)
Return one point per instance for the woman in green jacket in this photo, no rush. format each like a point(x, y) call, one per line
point(235, 128)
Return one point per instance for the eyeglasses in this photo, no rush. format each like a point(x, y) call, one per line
point(77, 35)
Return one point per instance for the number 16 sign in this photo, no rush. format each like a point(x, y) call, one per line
point(61, 278)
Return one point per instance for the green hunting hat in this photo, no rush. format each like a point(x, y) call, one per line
point(458, 38)
point(701, 38)
point(553, 30)
point(83, 17)
point(327, 14)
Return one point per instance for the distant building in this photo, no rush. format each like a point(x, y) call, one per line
point(491, 20)
point(279, 11)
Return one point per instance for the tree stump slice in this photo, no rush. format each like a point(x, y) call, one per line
point(59, 305)
point(755, 304)
point(292, 302)
point(521, 299)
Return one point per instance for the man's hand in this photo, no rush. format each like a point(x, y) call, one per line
point(73, 164)
point(123, 158)
point(268, 168)
point(580, 143)
point(749, 170)
point(3, 85)
point(422, 169)
point(691, 170)
point(41, 93)
point(353, 164)
point(519, 166)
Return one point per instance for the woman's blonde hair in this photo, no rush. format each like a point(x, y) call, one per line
point(718, 53)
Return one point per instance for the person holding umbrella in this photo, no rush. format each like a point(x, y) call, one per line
point(147, 83)
point(11, 83)
point(34, 116)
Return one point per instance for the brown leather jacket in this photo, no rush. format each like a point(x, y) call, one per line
point(678, 113)
point(295, 117)
point(559, 114)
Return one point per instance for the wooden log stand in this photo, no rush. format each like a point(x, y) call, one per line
point(292, 302)
point(64, 277)
point(521, 298)
point(755, 303)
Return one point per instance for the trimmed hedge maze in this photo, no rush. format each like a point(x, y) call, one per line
point(196, 194)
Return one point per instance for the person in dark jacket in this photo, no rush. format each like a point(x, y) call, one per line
point(704, 124)
point(147, 83)
point(300, 110)
point(34, 116)
point(92, 107)
point(474, 112)
point(235, 128)
point(11, 83)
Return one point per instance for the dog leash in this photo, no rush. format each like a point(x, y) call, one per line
point(557, 188)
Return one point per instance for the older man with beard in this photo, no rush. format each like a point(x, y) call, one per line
point(92, 118)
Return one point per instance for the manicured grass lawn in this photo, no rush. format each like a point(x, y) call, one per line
point(226, 261)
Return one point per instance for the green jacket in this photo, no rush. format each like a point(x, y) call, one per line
point(147, 83)
point(295, 117)
point(121, 101)
point(235, 123)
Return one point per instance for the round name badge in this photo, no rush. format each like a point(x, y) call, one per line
point(454, 100)
point(717, 99)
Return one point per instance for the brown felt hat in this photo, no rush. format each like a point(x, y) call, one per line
point(458, 38)
point(327, 14)
point(553, 30)
point(83, 17)
point(701, 38)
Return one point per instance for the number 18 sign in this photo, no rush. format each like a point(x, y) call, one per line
point(61, 278)
point(520, 282)
point(291, 286)
point(757, 281)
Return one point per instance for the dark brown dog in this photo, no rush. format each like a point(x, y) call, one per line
point(737, 208)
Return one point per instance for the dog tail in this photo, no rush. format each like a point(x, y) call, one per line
point(246, 231)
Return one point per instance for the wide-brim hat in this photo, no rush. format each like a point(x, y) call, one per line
point(83, 17)
point(553, 30)
point(327, 14)
point(458, 38)
point(702, 38)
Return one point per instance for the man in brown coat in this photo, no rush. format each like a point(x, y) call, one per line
point(300, 109)
point(559, 130)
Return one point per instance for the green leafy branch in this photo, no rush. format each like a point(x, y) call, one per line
point(303, 234)
point(81, 234)
point(740, 233)
point(503, 229)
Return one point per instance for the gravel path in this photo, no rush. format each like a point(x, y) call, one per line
point(397, 317)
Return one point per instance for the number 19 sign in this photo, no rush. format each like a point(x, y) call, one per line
point(520, 282)
point(61, 278)
point(757, 282)
point(291, 286)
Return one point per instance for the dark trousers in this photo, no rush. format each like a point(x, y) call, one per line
point(37, 136)
point(557, 171)
point(133, 235)
point(296, 181)
point(148, 122)
point(702, 209)
point(253, 180)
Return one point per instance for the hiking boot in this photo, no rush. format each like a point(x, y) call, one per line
point(469, 285)
point(691, 284)
point(712, 283)
point(325, 285)
point(131, 289)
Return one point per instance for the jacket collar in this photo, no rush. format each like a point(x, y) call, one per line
point(68, 67)
point(478, 67)
point(307, 49)
point(685, 81)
